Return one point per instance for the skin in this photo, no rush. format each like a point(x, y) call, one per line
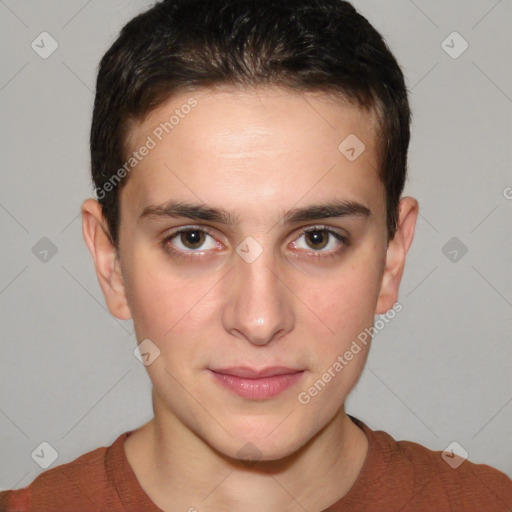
point(257, 154)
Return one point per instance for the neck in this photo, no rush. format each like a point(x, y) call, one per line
point(179, 471)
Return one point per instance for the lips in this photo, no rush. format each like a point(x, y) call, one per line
point(257, 384)
point(252, 373)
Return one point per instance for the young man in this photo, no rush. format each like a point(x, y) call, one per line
point(249, 160)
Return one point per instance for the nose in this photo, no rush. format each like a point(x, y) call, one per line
point(258, 304)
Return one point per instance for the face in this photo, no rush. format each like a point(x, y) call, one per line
point(233, 270)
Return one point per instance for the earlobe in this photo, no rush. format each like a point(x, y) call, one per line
point(106, 261)
point(396, 253)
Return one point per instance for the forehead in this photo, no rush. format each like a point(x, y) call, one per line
point(248, 148)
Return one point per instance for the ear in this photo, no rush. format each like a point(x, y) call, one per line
point(395, 255)
point(97, 238)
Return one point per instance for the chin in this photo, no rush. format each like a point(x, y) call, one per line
point(274, 444)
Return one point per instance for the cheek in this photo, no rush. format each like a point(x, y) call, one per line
point(172, 311)
point(345, 301)
point(346, 305)
point(157, 302)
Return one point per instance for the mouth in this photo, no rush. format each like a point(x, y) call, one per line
point(257, 384)
point(253, 373)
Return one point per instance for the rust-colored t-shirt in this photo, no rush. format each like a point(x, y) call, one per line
point(397, 476)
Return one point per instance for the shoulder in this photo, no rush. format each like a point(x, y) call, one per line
point(83, 481)
point(425, 479)
point(463, 484)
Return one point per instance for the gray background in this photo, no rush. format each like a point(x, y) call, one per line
point(439, 372)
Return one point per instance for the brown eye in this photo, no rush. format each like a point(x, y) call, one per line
point(321, 242)
point(317, 239)
point(192, 239)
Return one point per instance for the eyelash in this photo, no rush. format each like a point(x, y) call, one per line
point(315, 254)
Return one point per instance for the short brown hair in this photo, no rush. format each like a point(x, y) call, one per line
point(306, 45)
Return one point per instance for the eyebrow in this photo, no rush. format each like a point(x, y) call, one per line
point(198, 211)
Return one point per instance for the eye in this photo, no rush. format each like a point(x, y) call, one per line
point(319, 238)
point(320, 242)
point(190, 239)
